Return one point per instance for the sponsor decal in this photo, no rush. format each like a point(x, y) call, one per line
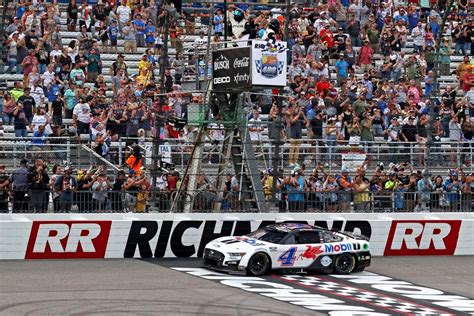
point(409, 290)
point(242, 62)
point(337, 247)
point(147, 239)
point(221, 62)
point(326, 261)
point(220, 80)
point(241, 78)
point(311, 252)
point(422, 237)
point(288, 258)
point(68, 239)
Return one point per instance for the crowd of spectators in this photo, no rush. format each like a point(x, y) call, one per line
point(398, 187)
point(351, 77)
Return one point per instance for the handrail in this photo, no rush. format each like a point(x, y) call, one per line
point(105, 161)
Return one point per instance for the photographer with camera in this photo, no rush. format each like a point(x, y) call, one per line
point(38, 187)
point(100, 186)
point(66, 185)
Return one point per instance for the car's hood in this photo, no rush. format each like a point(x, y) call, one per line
point(236, 244)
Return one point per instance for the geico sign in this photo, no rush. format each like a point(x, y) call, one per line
point(188, 238)
point(220, 80)
point(68, 239)
point(424, 237)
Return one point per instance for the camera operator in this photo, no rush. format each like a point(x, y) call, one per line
point(38, 189)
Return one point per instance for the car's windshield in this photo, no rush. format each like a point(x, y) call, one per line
point(272, 236)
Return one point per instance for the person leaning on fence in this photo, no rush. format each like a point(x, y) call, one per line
point(4, 186)
point(57, 172)
point(19, 181)
point(38, 189)
point(345, 187)
point(100, 186)
point(453, 186)
point(116, 197)
point(66, 185)
point(360, 187)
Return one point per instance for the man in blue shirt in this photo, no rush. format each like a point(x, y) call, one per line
point(295, 186)
point(453, 185)
point(218, 23)
point(140, 26)
point(342, 67)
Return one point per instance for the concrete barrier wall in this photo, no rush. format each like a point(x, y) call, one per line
point(59, 236)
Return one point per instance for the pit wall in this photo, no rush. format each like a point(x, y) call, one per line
point(69, 236)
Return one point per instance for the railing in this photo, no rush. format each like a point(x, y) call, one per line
point(207, 201)
point(52, 150)
point(330, 155)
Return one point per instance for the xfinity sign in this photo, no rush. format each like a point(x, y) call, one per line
point(231, 69)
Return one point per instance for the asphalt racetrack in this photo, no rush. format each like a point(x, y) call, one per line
point(391, 286)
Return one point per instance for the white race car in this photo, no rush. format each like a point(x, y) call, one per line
point(288, 246)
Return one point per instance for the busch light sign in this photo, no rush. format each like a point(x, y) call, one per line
point(269, 63)
point(231, 68)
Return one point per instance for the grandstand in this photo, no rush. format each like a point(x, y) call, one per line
point(245, 161)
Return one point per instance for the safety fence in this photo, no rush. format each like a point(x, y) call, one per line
point(329, 154)
point(143, 200)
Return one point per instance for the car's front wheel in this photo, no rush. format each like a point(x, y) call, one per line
point(344, 264)
point(259, 264)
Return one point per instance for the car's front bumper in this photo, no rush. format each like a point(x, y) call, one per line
point(216, 260)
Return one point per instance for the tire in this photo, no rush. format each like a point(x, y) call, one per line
point(345, 264)
point(359, 269)
point(259, 264)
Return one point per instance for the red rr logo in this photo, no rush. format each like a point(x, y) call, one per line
point(423, 237)
point(68, 239)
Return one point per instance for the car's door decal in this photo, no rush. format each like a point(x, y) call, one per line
point(287, 259)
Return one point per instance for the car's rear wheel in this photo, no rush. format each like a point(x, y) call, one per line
point(259, 264)
point(344, 264)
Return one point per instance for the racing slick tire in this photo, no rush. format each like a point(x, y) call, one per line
point(259, 264)
point(360, 269)
point(344, 264)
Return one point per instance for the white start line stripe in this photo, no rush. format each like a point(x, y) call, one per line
point(377, 300)
point(365, 302)
point(411, 291)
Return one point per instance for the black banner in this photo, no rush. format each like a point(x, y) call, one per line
point(231, 68)
point(142, 232)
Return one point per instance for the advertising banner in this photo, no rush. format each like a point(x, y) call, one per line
point(61, 236)
point(269, 62)
point(231, 68)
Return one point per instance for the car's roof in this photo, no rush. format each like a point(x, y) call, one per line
point(288, 227)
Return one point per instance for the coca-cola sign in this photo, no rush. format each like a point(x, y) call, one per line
point(240, 63)
point(231, 68)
